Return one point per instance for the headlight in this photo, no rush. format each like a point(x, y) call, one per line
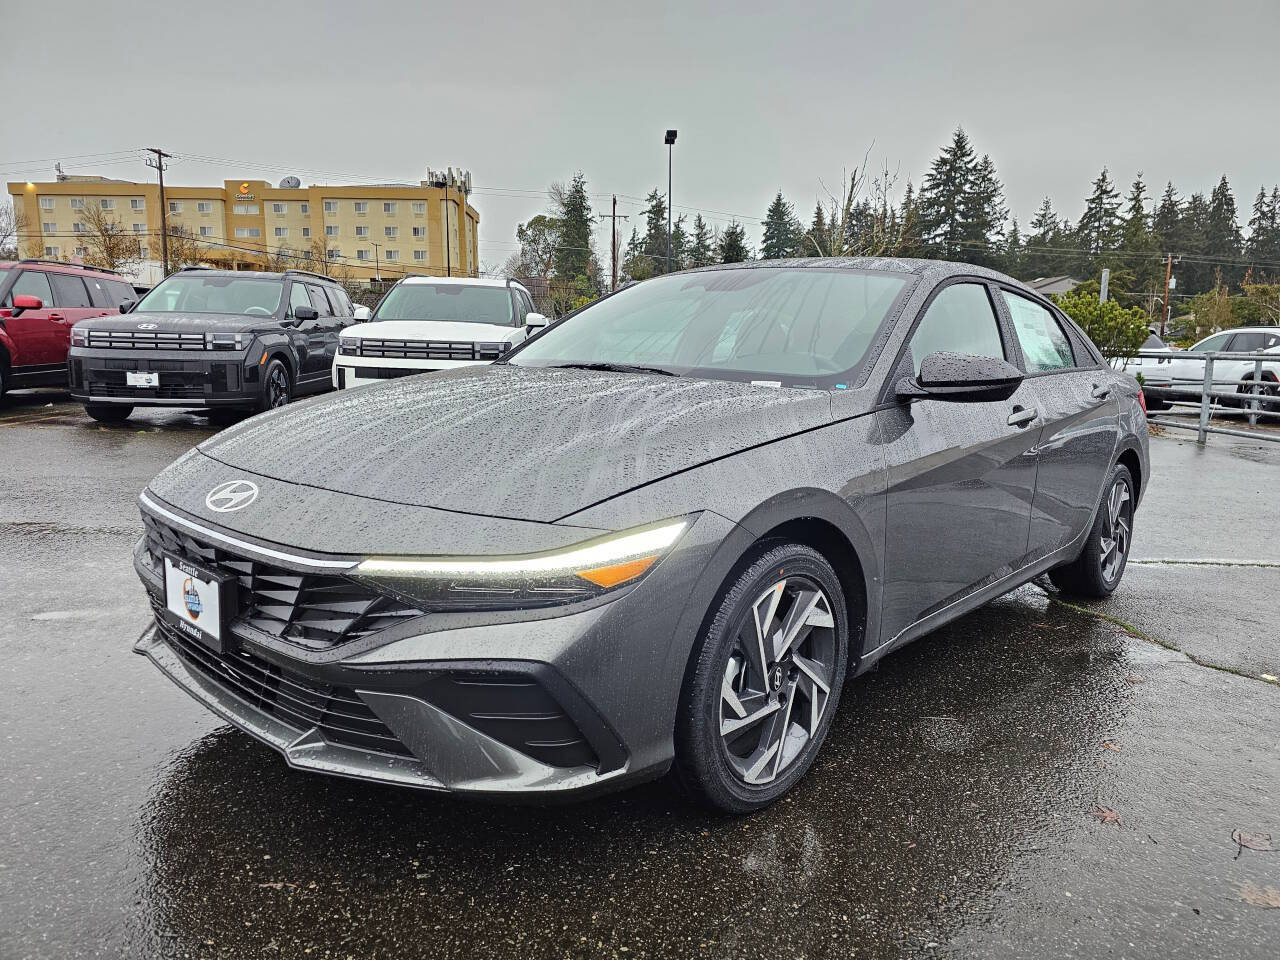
point(491, 351)
point(579, 572)
point(227, 341)
point(348, 346)
point(78, 337)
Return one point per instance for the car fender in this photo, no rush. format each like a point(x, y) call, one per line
point(282, 345)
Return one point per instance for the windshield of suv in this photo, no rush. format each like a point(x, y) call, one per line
point(194, 293)
point(446, 301)
point(730, 324)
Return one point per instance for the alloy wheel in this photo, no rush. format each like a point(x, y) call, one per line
point(777, 680)
point(1116, 530)
point(277, 388)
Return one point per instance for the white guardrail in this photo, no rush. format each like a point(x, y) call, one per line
point(1256, 394)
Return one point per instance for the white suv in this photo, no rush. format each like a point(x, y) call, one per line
point(435, 323)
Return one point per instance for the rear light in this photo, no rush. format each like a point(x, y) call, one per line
point(1142, 400)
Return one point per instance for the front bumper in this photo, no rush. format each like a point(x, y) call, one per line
point(553, 702)
point(195, 379)
point(352, 371)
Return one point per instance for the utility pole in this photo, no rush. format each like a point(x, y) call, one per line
point(1168, 273)
point(377, 264)
point(669, 140)
point(613, 219)
point(158, 166)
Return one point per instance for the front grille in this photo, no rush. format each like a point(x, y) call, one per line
point(177, 391)
point(430, 350)
point(290, 697)
point(381, 373)
point(313, 611)
point(144, 340)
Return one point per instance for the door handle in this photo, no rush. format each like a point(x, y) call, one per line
point(1022, 416)
point(1100, 391)
point(57, 317)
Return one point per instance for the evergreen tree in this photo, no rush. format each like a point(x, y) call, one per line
point(1263, 245)
point(910, 243)
point(1137, 243)
point(1194, 277)
point(574, 250)
point(1099, 227)
point(1011, 261)
point(1222, 232)
point(782, 232)
point(679, 245)
point(1038, 257)
point(1166, 221)
point(983, 214)
point(732, 247)
point(943, 197)
point(817, 238)
point(700, 252)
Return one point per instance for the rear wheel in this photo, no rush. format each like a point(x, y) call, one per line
point(108, 414)
point(764, 682)
point(1262, 394)
point(276, 387)
point(1098, 569)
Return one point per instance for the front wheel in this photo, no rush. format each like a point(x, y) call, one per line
point(1098, 569)
point(105, 414)
point(276, 387)
point(764, 681)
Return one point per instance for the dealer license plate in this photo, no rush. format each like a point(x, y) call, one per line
point(133, 378)
point(195, 598)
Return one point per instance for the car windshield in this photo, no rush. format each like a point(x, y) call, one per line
point(187, 293)
point(446, 301)
point(734, 324)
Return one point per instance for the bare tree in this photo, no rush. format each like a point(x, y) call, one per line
point(862, 220)
point(185, 249)
point(11, 225)
point(108, 243)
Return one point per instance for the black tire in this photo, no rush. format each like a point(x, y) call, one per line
point(1098, 569)
point(1261, 395)
point(714, 766)
point(108, 414)
point(277, 387)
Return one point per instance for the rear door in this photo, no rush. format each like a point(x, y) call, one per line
point(1079, 412)
point(961, 474)
point(319, 332)
point(73, 302)
point(35, 335)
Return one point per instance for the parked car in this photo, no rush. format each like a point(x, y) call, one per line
point(1152, 372)
point(212, 340)
point(1187, 371)
point(436, 323)
point(40, 300)
point(661, 533)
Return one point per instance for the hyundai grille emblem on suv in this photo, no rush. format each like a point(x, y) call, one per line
point(232, 495)
point(146, 326)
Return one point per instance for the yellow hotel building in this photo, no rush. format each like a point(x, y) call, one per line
point(371, 231)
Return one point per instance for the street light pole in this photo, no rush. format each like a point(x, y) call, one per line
point(669, 140)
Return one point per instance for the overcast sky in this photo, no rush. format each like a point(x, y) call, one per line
point(764, 95)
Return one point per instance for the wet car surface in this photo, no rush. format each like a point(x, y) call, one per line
point(1033, 780)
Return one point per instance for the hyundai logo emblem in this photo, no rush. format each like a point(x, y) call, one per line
point(232, 495)
point(146, 326)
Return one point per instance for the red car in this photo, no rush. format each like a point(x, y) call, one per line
point(40, 301)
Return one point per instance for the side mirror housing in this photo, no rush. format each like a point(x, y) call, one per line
point(961, 377)
point(127, 305)
point(535, 321)
point(303, 314)
point(24, 301)
point(362, 313)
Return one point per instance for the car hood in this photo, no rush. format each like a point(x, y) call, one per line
point(514, 442)
point(181, 322)
point(452, 330)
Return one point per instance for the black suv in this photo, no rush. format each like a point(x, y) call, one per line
point(214, 340)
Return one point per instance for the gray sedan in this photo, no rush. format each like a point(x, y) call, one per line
point(660, 536)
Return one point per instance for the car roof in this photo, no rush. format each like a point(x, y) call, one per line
point(466, 281)
point(255, 274)
point(933, 270)
point(58, 266)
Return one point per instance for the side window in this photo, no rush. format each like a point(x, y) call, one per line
point(522, 308)
point(1216, 342)
point(528, 302)
point(320, 301)
point(31, 283)
point(960, 320)
point(336, 301)
point(69, 291)
point(100, 294)
point(1247, 342)
point(298, 297)
point(1044, 343)
point(121, 291)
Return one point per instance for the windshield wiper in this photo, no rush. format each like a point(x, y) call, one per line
point(612, 368)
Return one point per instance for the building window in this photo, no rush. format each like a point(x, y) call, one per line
point(393, 254)
point(391, 231)
point(280, 208)
point(389, 209)
point(206, 231)
point(142, 250)
point(245, 233)
point(138, 203)
point(139, 228)
point(419, 208)
point(419, 231)
point(49, 227)
point(107, 203)
point(77, 203)
point(282, 231)
point(50, 251)
point(46, 203)
point(363, 255)
point(305, 209)
point(331, 206)
point(330, 229)
point(419, 254)
point(306, 233)
point(246, 209)
point(362, 207)
point(362, 231)
point(204, 206)
point(175, 206)
point(78, 227)
point(82, 251)
point(335, 253)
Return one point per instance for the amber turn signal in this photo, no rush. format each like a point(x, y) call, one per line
point(617, 573)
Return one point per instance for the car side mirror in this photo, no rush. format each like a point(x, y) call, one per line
point(25, 301)
point(127, 305)
point(535, 321)
point(961, 376)
point(303, 314)
point(362, 314)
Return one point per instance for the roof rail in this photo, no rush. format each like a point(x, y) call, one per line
point(310, 273)
point(193, 267)
point(64, 263)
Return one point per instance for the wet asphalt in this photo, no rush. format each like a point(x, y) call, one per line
point(1036, 780)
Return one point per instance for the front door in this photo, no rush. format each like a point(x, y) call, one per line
point(961, 474)
point(36, 335)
